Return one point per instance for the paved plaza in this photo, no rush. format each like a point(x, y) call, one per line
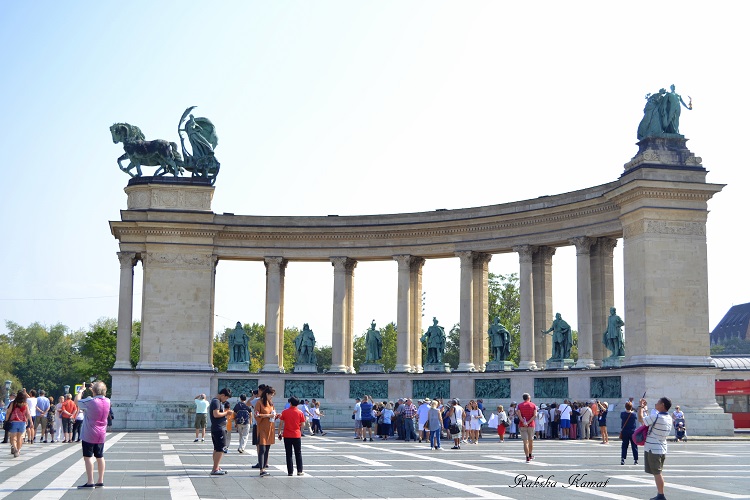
point(153, 465)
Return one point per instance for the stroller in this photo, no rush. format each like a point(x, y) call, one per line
point(680, 434)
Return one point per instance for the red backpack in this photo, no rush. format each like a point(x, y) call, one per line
point(19, 414)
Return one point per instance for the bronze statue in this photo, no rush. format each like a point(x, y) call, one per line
point(373, 344)
point(201, 134)
point(435, 337)
point(139, 151)
point(238, 351)
point(499, 340)
point(662, 113)
point(305, 345)
point(613, 338)
point(562, 338)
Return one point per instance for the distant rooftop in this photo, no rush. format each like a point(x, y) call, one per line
point(734, 325)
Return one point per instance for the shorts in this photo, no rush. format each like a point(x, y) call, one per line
point(42, 421)
point(367, 424)
point(217, 437)
point(527, 433)
point(17, 427)
point(254, 440)
point(357, 424)
point(420, 426)
point(458, 434)
point(653, 463)
point(564, 423)
point(67, 425)
point(200, 420)
point(92, 449)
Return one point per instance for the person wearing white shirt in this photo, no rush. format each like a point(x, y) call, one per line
point(422, 413)
point(31, 430)
point(655, 450)
point(565, 411)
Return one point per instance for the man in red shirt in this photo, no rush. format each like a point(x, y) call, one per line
point(290, 430)
point(527, 418)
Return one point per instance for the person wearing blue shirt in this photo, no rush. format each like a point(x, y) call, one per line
point(366, 409)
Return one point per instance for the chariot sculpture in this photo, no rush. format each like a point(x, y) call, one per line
point(200, 161)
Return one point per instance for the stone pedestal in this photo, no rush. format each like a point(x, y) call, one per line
point(560, 364)
point(305, 368)
point(239, 367)
point(613, 362)
point(437, 368)
point(371, 368)
point(499, 366)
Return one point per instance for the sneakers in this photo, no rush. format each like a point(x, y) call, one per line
point(240, 450)
point(99, 485)
point(265, 474)
point(531, 457)
point(218, 472)
point(455, 448)
point(196, 440)
point(203, 440)
point(528, 460)
point(371, 440)
point(635, 462)
point(300, 473)
point(622, 462)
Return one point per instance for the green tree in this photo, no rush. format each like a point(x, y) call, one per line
point(505, 303)
point(452, 347)
point(135, 344)
point(99, 349)
point(46, 358)
point(324, 356)
point(732, 346)
point(221, 353)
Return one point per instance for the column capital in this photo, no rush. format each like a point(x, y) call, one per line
point(606, 246)
point(416, 264)
point(525, 253)
point(481, 259)
point(404, 261)
point(466, 256)
point(343, 264)
point(544, 254)
point(583, 244)
point(275, 263)
point(127, 259)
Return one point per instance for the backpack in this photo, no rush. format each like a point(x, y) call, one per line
point(18, 414)
point(242, 416)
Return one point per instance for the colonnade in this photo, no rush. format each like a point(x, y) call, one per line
point(595, 294)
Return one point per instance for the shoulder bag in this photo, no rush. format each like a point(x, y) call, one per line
point(623, 425)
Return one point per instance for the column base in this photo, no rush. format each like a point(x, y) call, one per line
point(527, 365)
point(272, 369)
point(465, 367)
point(585, 364)
point(337, 369)
point(499, 366)
point(371, 368)
point(305, 368)
point(403, 369)
point(122, 365)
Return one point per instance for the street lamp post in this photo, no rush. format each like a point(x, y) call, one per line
point(7, 392)
point(66, 389)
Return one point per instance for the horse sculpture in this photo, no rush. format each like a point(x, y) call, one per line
point(142, 152)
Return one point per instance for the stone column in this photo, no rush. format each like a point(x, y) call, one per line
point(526, 284)
point(274, 306)
point(349, 323)
point(466, 318)
point(125, 311)
point(583, 274)
point(415, 310)
point(480, 278)
point(215, 262)
point(602, 292)
point(403, 349)
point(342, 273)
point(544, 315)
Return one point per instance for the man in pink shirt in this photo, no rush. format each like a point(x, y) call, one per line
point(527, 416)
point(94, 431)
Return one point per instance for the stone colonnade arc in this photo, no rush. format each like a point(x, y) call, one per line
point(172, 230)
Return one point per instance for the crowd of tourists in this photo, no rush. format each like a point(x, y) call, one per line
point(31, 417)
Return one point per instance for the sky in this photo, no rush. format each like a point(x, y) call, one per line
point(346, 107)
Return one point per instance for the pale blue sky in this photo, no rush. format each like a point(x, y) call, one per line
point(345, 107)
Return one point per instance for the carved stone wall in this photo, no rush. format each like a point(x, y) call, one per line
point(169, 197)
point(431, 389)
point(378, 389)
point(551, 388)
point(606, 387)
point(492, 388)
point(304, 389)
